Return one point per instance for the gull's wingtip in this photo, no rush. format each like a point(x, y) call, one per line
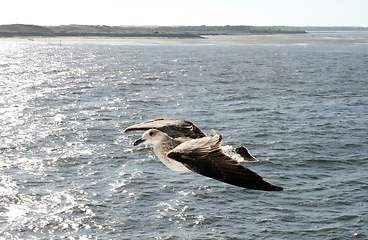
point(129, 129)
point(278, 188)
point(266, 187)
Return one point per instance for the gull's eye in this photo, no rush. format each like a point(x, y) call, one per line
point(151, 133)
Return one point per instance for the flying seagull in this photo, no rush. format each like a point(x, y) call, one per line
point(182, 146)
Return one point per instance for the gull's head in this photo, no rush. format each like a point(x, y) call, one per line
point(152, 136)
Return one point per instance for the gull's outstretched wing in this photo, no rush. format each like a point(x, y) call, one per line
point(204, 156)
point(173, 128)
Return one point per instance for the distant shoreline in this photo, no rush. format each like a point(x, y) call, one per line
point(175, 32)
point(102, 35)
point(140, 35)
point(24, 30)
point(300, 39)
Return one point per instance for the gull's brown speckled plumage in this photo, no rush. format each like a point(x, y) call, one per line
point(173, 128)
point(201, 154)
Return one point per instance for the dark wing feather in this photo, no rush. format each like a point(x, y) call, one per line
point(211, 162)
point(173, 128)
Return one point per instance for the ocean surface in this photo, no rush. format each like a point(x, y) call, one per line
point(67, 170)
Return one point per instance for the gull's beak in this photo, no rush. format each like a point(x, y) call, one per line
point(139, 141)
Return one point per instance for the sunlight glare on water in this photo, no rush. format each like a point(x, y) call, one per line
point(67, 170)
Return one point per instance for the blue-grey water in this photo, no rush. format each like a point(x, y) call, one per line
point(67, 170)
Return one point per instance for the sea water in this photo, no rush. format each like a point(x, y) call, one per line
point(67, 170)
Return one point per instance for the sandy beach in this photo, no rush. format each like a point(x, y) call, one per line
point(309, 38)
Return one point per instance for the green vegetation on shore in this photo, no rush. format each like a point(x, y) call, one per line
point(22, 30)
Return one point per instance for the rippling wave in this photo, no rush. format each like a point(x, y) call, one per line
point(68, 171)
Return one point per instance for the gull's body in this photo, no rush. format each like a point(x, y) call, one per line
point(192, 150)
point(162, 146)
